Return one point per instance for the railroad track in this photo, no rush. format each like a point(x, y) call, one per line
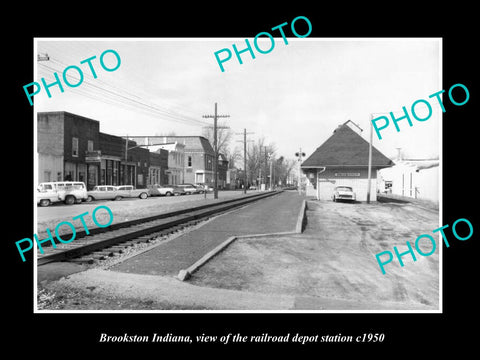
point(106, 242)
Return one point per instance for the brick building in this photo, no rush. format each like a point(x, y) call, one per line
point(343, 160)
point(63, 140)
point(71, 147)
point(222, 169)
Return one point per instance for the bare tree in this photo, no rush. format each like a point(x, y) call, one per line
point(233, 155)
point(257, 161)
point(283, 168)
point(224, 136)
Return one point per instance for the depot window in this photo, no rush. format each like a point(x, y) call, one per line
point(190, 161)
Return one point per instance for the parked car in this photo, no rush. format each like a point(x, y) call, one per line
point(252, 187)
point(68, 191)
point(163, 190)
point(203, 187)
point(47, 197)
point(103, 192)
point(177, 190)
point(188, 188)
point(200, 188)
point(343, 193)
point(129, 191)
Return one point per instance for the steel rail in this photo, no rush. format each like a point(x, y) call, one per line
point(136, 228)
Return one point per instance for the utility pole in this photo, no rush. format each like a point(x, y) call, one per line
point(125, 177)
point(244, 159)
point(215, 162)
point(370, 152)
point(266, 166)
point(369, 184)
point(125, 169)
point(271, 174)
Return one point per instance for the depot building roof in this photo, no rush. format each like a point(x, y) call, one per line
point(343, 149)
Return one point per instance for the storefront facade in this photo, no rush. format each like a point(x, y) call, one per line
point(71, 147)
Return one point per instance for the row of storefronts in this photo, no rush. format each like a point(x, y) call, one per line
point(71, 147)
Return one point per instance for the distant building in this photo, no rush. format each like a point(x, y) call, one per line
point(198, 155)
point(176, 161)
point(222, 169)
point(415, 178)
point(343, 160)
point(158, 172)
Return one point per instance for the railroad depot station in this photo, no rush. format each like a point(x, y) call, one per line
point(342, 160)
point(72, 148)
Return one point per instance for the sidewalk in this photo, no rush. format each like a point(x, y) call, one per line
point(274, 214)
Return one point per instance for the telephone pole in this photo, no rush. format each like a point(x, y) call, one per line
point(215, 162)
point(369, 181)
point(271, 174)
point(244, 158)
point(266, 166)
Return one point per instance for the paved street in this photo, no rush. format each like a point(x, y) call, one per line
point(274, 214)
point(125, 209)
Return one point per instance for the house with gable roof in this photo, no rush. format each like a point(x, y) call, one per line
point(198, 155)
point(342, 160)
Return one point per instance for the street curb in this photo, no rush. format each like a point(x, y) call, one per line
point(185, 274)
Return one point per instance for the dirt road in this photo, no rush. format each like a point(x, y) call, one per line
point(332, 265)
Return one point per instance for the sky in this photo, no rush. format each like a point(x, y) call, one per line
point(294, 96)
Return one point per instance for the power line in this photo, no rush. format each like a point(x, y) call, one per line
point(155, 109)
point(134, 101)
point(118, 88)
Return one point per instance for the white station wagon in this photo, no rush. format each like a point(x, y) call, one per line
point(103, 192)
point(129, 191)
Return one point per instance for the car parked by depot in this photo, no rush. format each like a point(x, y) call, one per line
point(70, 192)
point(129, 191)
point(343, 193)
